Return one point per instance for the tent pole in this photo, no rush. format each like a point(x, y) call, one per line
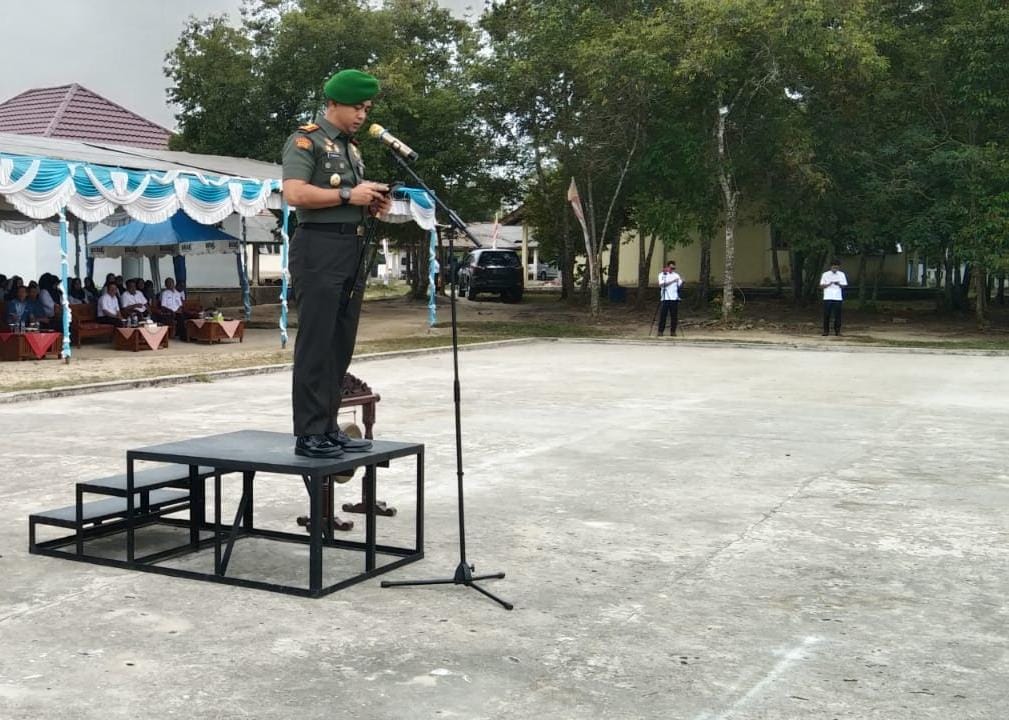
point(285, 240)
point(243, 276)
point(64, 271)
point(89, 262)
point(77, 247)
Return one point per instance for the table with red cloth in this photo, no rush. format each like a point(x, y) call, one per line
point(141, 337)
point(214, 331)
point(30, 345)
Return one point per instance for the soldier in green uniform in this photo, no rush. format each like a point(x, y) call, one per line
point(324, 181)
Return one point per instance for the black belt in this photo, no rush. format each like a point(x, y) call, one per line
point(336, 228)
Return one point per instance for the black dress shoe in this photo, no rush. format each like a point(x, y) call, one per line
point(317, 446)
point(347, 443)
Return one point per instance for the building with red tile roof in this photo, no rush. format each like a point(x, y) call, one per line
point(73, 112)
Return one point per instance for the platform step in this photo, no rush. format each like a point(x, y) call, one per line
point(142, 479)
point(106, 509)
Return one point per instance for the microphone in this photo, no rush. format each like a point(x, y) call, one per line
point(395, 144)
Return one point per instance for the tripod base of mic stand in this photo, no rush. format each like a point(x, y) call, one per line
point(463, 576)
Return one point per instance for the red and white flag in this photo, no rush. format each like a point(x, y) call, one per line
point(576, 202)
point(496, 231)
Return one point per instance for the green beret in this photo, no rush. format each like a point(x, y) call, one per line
point(350, 87)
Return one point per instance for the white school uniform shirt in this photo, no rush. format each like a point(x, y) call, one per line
point(172, 300)
point(108, 305)
point(134, 298)
point(48, 303)
point(833, 292)
point(671, 291)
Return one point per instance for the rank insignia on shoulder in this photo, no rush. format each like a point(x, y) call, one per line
point(303, 142)
point(310, 127)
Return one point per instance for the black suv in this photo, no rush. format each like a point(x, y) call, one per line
point(487, 270)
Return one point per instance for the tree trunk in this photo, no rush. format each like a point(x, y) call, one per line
point(418, 278)
point(644, 268)
point(862, 261)
point(613, 275)
point(949, 281)
point(592, 255)
point(613, 271)
point(567, 258)
point(730, 257)
point(1000, 296)
point(730, 198)
point(875, 279)
point(813, 270)
point(798, 261)
point(775, 265)
point(981, 290)
point(704, 279)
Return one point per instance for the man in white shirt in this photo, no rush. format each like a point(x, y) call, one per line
point(832, 283)
point(109, 311)
point(669, 297)
point(171, 299)
point(169, 311)
point(133, 301)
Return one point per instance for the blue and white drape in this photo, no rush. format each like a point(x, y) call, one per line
point(40, 187)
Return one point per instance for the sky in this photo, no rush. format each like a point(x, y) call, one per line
point(115, 48)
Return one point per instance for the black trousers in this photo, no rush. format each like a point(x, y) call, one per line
point(671, 308)
point(324, 266)
point(832, 307)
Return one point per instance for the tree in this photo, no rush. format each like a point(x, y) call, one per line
point(750, 64)
point(242, 91)
point(567, 109)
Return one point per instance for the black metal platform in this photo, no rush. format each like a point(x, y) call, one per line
point(247, 452)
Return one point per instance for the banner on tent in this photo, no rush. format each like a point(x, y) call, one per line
point(211, 247)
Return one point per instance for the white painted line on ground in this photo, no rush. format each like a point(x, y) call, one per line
point(796, 653)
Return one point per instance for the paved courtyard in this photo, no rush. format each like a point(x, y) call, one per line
point(696, 533)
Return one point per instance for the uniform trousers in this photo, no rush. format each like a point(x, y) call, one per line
point(832, 308)
point(324, 267)
point(672, 309)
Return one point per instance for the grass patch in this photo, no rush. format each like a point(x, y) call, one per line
point(385, 292)
point(988, 345)
point(81, 374)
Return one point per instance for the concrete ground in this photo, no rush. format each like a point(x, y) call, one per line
point(688, 532)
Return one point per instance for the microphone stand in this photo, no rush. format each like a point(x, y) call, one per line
point(464, 570)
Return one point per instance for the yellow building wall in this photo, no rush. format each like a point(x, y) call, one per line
point(753, 264)
point(752, 260)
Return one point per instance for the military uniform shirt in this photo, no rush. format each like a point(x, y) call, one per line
point(314, 153)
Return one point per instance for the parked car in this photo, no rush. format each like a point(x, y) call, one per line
point(546, 271)
point(489, 270)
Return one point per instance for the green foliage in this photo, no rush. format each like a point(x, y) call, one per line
point(242, 91)
point(850, 127)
